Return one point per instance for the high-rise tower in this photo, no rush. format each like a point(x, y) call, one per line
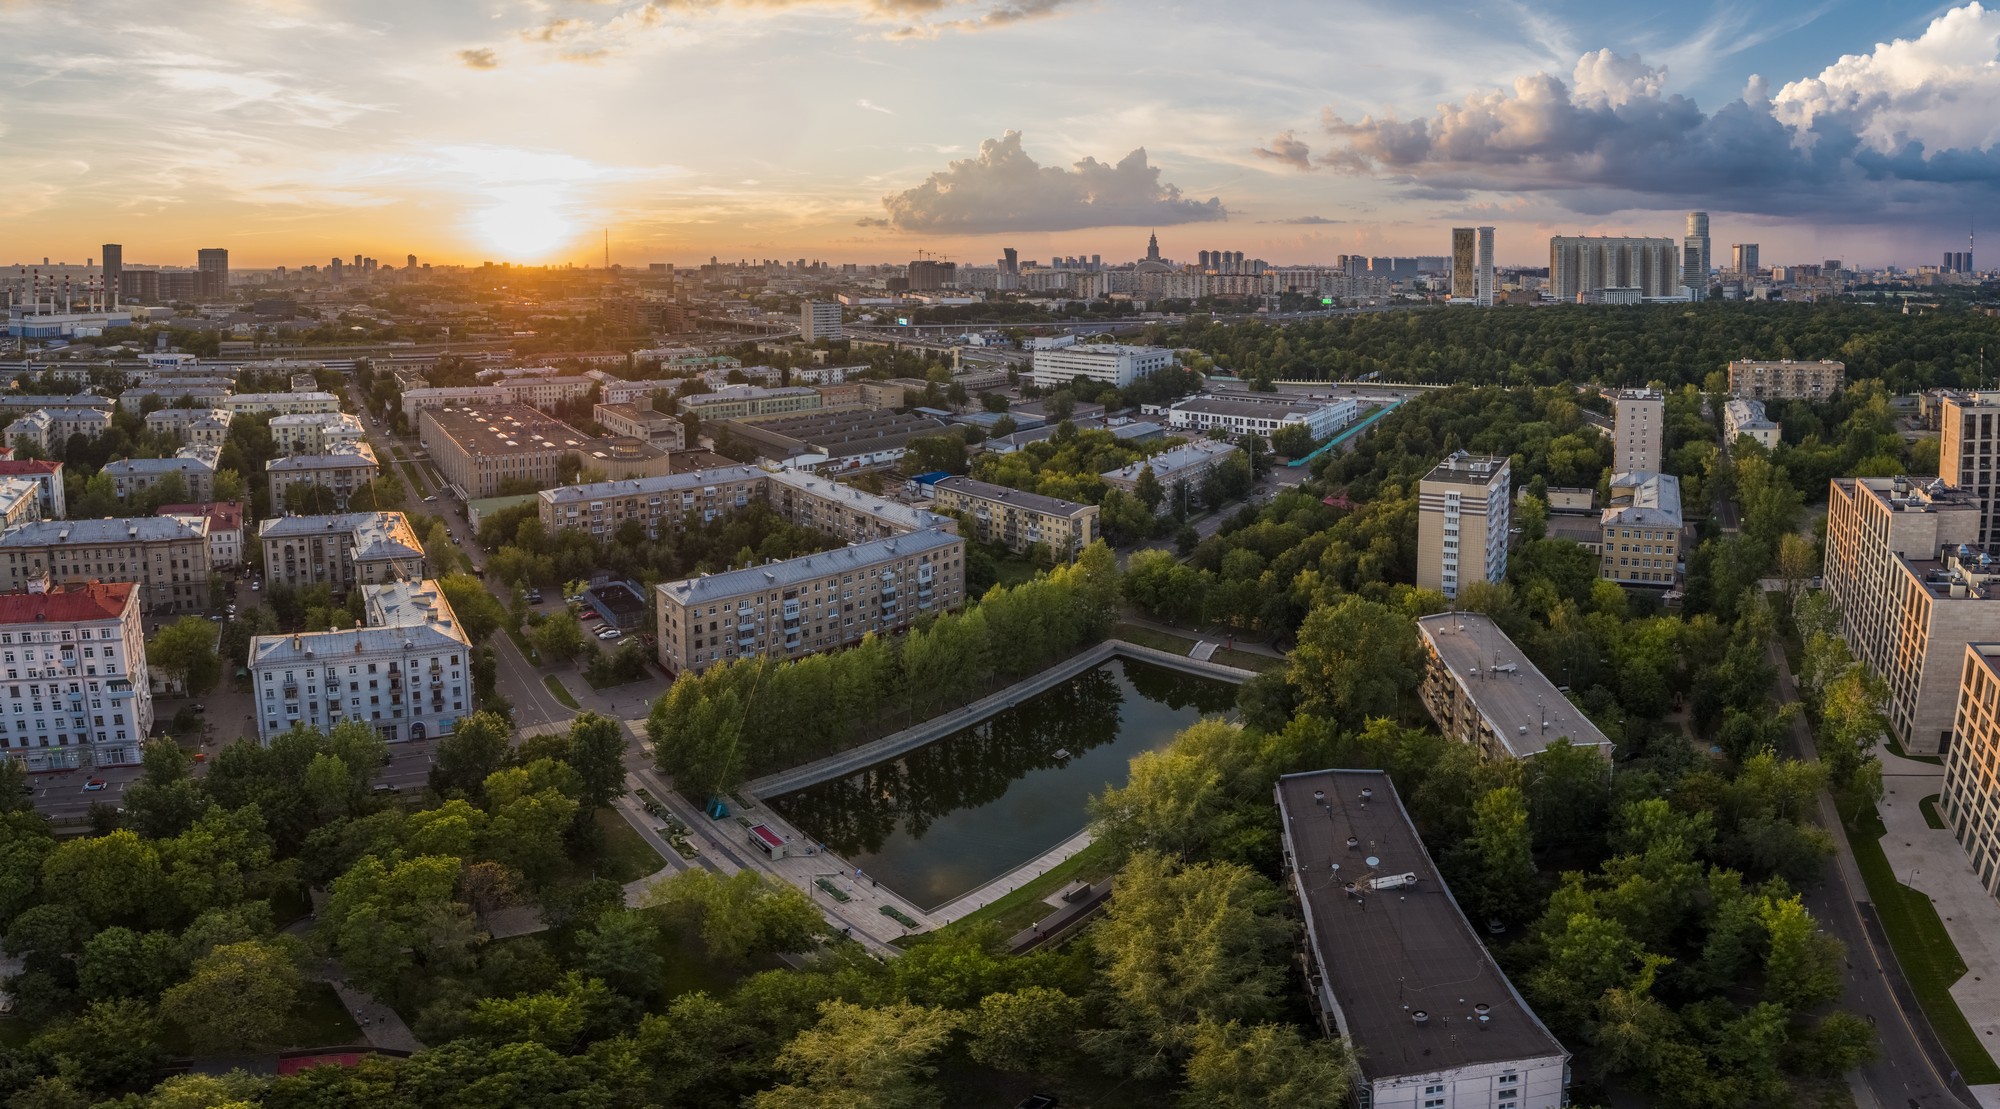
point(1484, 289)
point(114, 267)
point(213, 265)
point(1696, 256)
point(1464, 263)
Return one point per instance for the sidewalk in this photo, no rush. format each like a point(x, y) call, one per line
point(1009, 882)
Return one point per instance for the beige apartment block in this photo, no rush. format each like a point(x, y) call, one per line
point(1786, 380)
point(166, 555)
point(1969, 425)
point(343, 551)
point(1018, 520)
point(1640, 532)
point(1463, 509)
point(1971, 801)
point(1483, 692)
point(1639, 415)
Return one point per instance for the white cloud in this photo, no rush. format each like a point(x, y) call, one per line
point(1004, 189)
point(1940, 88)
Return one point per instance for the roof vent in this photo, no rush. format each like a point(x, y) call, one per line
point(1420, 1018)
point(1484, 1014)
point(1367, 794)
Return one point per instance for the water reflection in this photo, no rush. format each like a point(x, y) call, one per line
point(951, 816)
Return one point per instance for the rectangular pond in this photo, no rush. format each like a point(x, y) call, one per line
point(954, 814)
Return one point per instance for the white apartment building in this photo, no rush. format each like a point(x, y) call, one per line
point(1238, 415)
point(1464, 506)
point(1104, 363)
point(281, 404)
point(48, 479)
point(1639, 417)
point(616, 390)
point(406, 674)
point(315, 432)
point(1743, 416)
point(49, 429)
point(342, 471)
point(191, 425)
point(546, 392)
point(1186, 464)
point(196, 465)
point(225, 529)
point(77, 692)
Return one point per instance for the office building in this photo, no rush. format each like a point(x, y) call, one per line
point(1697, 256)
point(1913, 586)
point(167, 556)
point(1787, 380)
point(803, 606)
point(1099, 363)
point(48, 479)
point(1485, 287)
point(644, 424)
point(316, 432)
point(195, 465)
point(225, 529)
point(49, 429)
point(1638, 417)
point(1743, 259)
point(1743, 416)
point(212, 270)
point(1393, 965)
point(112, 257)
point(81, 652)
point(1464, 263)
point(342, 551)
point(1970, 803)
point(1015, 519)
point(406, 674)
point(737, 402)
point(1482, 691)
point(1239, 414)
point(280, 404)
point(1581, 266)
point(1182, 467)
point(820, 319)
point(1463, 510)
point(339, 472)
point(1640, 530)
point(1969, 429)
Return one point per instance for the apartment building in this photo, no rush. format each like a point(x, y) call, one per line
point(225, 529)
point(1970, 803)
point(1744, 416)
point(195, 464)
point(659, 504)
point(819, 319)
point(280, 404)
point(28, 402)
point(316, 432)
point(1640, 530)
point(20, 501)
point(1112, 364)
point(1186, 464)
point(854, 515)
point(1483, 692)
point(737, 402)
point(1463, 511)
point(78, 693)
point(477, 449)
point(1585, 266)
point(48, 479)
point(406, 674)
point(343, 551)
point(166, 556)
point(1785, 379)
point(1237, 414)
point(644, 424)
point(1393, 965)
point(803, 606)
point(1015, 519)
point(547, 392)
point(176, 393)
point(616, 390)
point(1638, 419)
point(1913, 585)
point(206, 426)
point(1968, 423)
point(49, 429)
point(341, 471)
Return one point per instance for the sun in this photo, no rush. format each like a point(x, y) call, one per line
point(524, 224)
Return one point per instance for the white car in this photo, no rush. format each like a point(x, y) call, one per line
point(609, 633)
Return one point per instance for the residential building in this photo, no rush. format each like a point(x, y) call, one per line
point(212, 272)
point(546, 392)
point(1697, 256)
point(1100, 363)
point(1641, 530)
point(49, 429)
point(81, 652)
point(1913, 586)
point(833, 397)
point(1787, 380)
point(803, 606)
point(196, 466)
point(1970, 803)
point(339, 471)
point(20, 501)
point(1176, 467)
point(834, 442)
point(1743, 416)
point(1483, 692)
point(167, 556)
point(1015, 519)
point(1464, 263)
point(225, 529)
point(737, 402)
point(820, 319)
point(1485, 286)
point(48, 479)
point(1462, 517)
point(177, 393)
point(280, 404)
point(407, 673)
point(1969, 432)
point(208, 426)
point(616, 390)
point(1239, 414)
point(855, 515)
point(644, 424)
point(831, 375)
point(316, 432)
point(1393, 965)
point(883, 394)
point(341, 552)
point(657, 503)
point(477, 449)
point(457, 396)
point(1583, 265)
point(28, 402)
point(1638, 418)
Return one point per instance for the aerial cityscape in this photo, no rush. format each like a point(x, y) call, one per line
point(1016, 553)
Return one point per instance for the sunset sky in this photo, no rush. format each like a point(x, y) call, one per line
point(864, 130)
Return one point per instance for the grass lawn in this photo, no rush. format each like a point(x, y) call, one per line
point(1024, 906)
point(1181, 645)
point(626, 855)
point(1011, 572)
point(1924, 950)
point(1896, 749)
point(1248, 660)
point(1931, 815)
point(561, 692)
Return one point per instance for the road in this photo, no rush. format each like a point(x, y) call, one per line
point(1905, 1077)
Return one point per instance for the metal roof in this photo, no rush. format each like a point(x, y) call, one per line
point(122, 529)
point(791, 571)
point(665, 483)
point(1054, 506)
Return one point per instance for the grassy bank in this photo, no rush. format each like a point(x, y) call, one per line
point(626, 856)
point(1024, 906)
point(560, 691)
point(1181, 645)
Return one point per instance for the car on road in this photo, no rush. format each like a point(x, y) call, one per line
point(534, 596)
point(609, 633)
point(94, 785)
point(430, 498)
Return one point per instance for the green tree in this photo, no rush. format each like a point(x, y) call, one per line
point(622, 948)
point(1500, 854)
point(1026, 1030)
point(109, 879)
point(479, 612)
point(238, 997)
point(474, 749)
point(1149, 490)
point(529, 818)
point(111, 1047)
point(1802, 964)
point(120, 963)
point(740, 915)
point(1265, 1066)
point(597, 752)
point(855, 1056)
point(558, 638)
point(1354, 659)
point(185, 652)
point(394, 925)
point(230, 488)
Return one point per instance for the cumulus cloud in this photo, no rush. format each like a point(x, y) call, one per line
point(479, 59)
point(1895, 132)
point(1287, 148)
point(1002, 188)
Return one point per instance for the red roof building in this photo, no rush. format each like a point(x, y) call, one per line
point(105, 600)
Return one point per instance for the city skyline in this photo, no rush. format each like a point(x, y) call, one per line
point(523, 132)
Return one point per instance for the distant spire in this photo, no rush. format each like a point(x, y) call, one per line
point(1153, 247)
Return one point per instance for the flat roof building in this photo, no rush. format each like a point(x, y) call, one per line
point(737, 402)
point(1238, 415)
point(476, 449)
point(1016, 519)
point(1110, 364)
point(405, 674)
point(1463, 511)
point(1395, 967)
point(1641, 530)
point(1482, 690)
point(644, 424)
point(1785, 379)
point(1189, 462)
point(1639, 417)
point(88, 646)
point(833, 442)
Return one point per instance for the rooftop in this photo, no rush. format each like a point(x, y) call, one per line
point(1461, 468)
point(348, 454)
point(28, 467)
point(1035, 502)
point(1395, 954)
point(791, 571)
point(1173, 460)
point(96, 601)
point(641, 486)
point(374, 534)
point(1105, 350)
point(896, 512)
point(1524, 708)
point(242, 399)
point(1641, 498)
point(221, 515)
point(117, 529)
point(1277, 407)
point(423, 621)
point(504, 429)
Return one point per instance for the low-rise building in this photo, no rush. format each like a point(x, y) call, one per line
point(546, 392)
point(166, 555)
point(176, 394)
point(643, 424)
point(1239, 415)
point(195, 465)
point(208, 426)
point(1785, 379)
point(738, 402)
point(1015, 519)
point(280, 404)
point(835, 442)
point(406, 674)
point(48, 479)
point(81, 652)
point(1641, 530)
point(858, 516)
point(49, 429)
point(1186, 464)
point(1100, 363)
point(659, 504)
point(28, 402)
point(477, 449)
point(1394, 966)
point(340, 472)
point(1745, 416)
point(613, 389)
point(343, 551)
point(225, 529)
point(20, 501)
point(1482, 691)
point(316, 432)
point(803, 606)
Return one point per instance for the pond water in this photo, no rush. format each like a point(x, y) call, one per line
point(955, 814)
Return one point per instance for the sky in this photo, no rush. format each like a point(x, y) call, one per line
point(290, 131)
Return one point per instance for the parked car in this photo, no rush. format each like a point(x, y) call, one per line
point(609, 633)
point(93, 785)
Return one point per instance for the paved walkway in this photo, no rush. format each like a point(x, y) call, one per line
point(1930, 861)
point(379, 1023)
point(1009, 882)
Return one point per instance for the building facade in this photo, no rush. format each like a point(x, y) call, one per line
point(1185, 465)
point(737, 402)
point(316, 432)
point(1640, 530)
point(48, 479)
point(1463, 511)
point(1101, 363)
point(1239, 415)
point(208, 426)
point(658, 504)
point(1743, 416)
point(280, 404)
point(1018, 520)
point(456, 396)
point(1969, 431)
point(78, 692)
point(1581, 265)
point(803, 606)
point(340, 472)
point(1638, 419)
point(167, 557)
point(1697, 256)
point(820, 319)
point(406, 674)
point(49, 429)
point(477, 449)
point(1483, 692)
point(195, 466)
point(644, 424)
point(343, 551)
point(1787, 380)
point(1970, 803)
point(1464, 263)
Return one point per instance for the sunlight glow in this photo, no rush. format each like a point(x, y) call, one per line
point(524, 223)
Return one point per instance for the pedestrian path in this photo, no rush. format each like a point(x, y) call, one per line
point(380, 1025)
point(1009, 882)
